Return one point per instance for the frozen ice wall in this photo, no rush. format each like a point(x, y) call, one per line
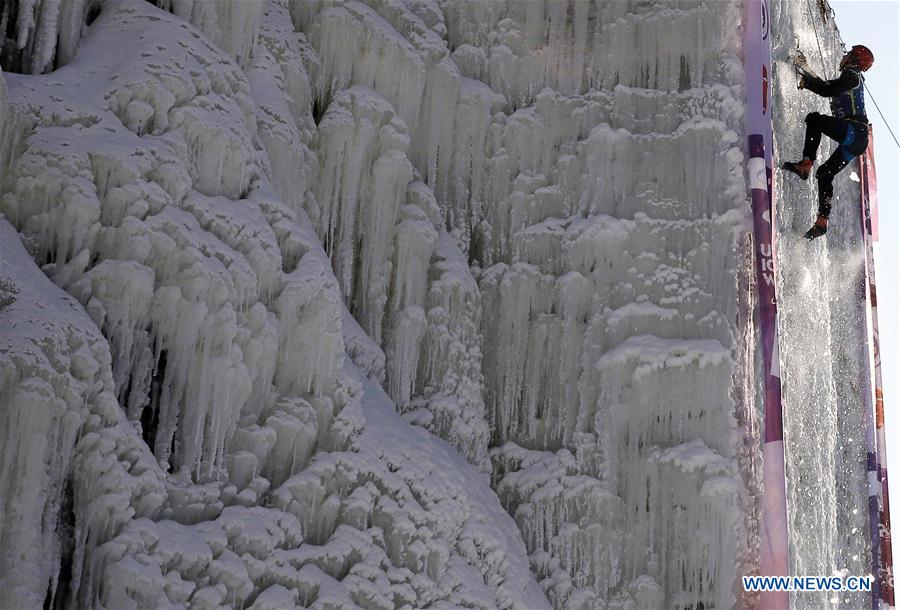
point(821, 328)
point(303, 240)
point(182, 425)
point(37, 36)
point(612, 275)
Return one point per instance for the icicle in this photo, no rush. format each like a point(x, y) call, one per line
point(363, 191)
point(403, 355)
point(232, 25)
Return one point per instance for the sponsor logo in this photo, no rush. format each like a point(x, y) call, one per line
point(758, 176)
point(767, 264)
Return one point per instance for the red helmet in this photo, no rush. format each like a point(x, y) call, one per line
point(860, 56)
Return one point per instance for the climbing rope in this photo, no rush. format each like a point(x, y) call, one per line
point(872, 97)
point(818, 43)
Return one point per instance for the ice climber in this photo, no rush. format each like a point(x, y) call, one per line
point(848, 126)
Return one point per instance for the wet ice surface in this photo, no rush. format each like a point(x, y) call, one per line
point(821, 326)
point(301, 242)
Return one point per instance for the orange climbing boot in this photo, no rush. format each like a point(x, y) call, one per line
point(819, 228)
point(801, 168)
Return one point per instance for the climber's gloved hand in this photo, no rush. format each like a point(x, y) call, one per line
point(800, 61)
point(801, 84)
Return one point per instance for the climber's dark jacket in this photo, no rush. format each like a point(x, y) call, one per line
point(846, 93)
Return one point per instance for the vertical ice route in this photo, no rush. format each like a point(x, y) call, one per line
point(822, 340)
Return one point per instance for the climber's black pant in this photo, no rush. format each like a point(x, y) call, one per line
point(852, 139)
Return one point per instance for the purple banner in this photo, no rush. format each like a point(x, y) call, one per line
point(773, 559)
